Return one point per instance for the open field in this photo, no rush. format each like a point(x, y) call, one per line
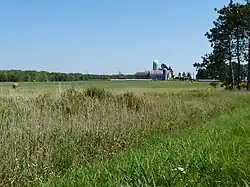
point(73, 134)
point(137, 86)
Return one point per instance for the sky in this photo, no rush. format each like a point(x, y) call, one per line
point(104, 36)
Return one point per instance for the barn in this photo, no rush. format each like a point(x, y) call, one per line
point(154, 75)
point(142, 75)
point(157, 75)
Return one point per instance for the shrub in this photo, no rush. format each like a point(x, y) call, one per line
point(243, 85)
point(222, 84)
point(214, 84)
point(14, 85)
point(226, 85)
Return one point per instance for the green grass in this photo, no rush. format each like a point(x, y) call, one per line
point(137, 86)
point(51, 129)
point(214, 154)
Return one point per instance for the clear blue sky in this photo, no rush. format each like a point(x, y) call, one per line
point(104, 36)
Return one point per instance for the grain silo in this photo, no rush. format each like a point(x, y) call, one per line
point(155, 64)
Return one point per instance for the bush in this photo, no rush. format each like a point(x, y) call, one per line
point(226, 85)
point(243, 85)
point(214, 84)
point(14, 85)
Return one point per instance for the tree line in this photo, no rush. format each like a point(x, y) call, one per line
point(229, 60)
point(184, 76)
point(44, 76)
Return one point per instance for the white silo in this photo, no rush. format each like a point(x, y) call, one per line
point(155, 64)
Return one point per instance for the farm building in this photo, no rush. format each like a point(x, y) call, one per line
point(162, 73)
point(154, 75)
point(157, 75)
point(142, 75)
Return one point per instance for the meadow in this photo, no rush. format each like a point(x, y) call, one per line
point(135, 86)
point(124, 133)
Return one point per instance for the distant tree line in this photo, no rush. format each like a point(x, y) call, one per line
point(229, 60)
point(44, 76)
point(184, 76)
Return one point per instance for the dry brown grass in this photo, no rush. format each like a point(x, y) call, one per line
point(42, 133)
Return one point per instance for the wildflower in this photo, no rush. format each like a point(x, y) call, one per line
point(180, 169)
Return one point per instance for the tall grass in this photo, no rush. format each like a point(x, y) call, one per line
point(43, 134)
point(215, 153)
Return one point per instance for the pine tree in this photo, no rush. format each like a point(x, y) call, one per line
point(228, 40)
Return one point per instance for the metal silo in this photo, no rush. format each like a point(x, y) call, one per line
point(155, 64)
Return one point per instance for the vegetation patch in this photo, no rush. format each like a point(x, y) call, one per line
point(47, 134)
point(213, 154)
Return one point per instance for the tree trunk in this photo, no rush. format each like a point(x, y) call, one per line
point(231, 66)
point(231, 75)
point(238, 61)
point(248, 69)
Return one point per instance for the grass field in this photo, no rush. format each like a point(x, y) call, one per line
point(99, 134)
point(214, 154)
point(136, 86)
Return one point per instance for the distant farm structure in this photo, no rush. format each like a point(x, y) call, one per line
point(162, 73)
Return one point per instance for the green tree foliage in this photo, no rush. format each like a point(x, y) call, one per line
point(189, 76)
point(43, 76)
point(179, 75)
point(164, 66)
point(229, 43)
point(184, 75)
point(171, 71)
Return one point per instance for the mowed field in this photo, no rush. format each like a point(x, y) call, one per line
point(123, 133)
point(135, 86)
